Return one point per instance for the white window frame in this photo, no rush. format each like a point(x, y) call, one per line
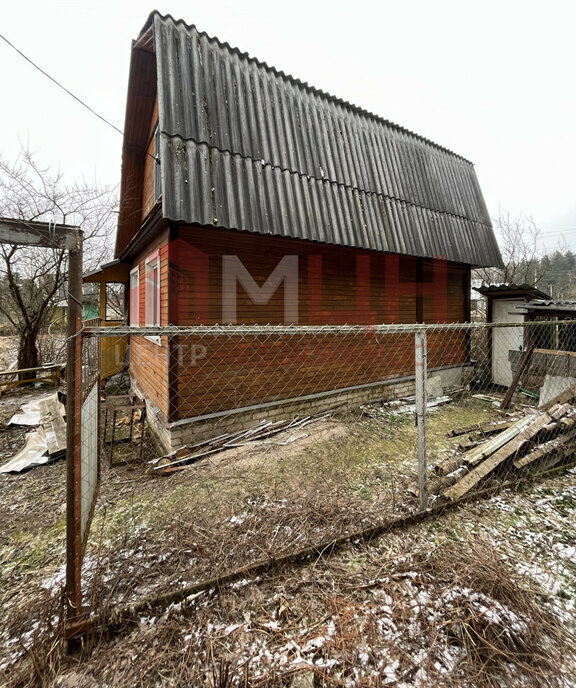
point(152, 262)
point(134, 316)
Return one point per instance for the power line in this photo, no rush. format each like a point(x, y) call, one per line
point(61, 86)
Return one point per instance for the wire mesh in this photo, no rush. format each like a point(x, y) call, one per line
point(255, 443)
point(89, 433)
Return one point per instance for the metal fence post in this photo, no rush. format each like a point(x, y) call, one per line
point(73, 402)
point(420, 361)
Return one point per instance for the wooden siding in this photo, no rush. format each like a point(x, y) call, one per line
point(149, 174)
point(336, 285)
point(217, 374)
point(142, 97)
point(149, 360)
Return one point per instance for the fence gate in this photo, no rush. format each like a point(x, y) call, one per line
point(81, 485)
point(84, 467)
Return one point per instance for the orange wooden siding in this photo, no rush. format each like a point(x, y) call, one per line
point(329, 280)
point(149, 359)
point(216, 374)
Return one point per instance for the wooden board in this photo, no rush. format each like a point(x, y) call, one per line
point(477, 454)
point(556, 445)
point(505, 452)
point(485, 428)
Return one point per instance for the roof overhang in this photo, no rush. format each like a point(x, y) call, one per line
point(551, 308)
point(511, 291)
point(140, 103)
point(115, 271)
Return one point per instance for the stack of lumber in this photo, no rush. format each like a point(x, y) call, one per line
point(189, 454)
point(539, 440)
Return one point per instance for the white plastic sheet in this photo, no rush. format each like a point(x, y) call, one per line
point(33, 453)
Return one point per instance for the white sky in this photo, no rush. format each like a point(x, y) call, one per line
point(492, 80)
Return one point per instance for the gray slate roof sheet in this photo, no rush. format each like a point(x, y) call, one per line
point(244, 146)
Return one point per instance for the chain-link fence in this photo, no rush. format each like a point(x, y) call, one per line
point(243, 445)
point(89, 400)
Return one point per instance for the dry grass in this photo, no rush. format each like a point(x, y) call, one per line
point(435, 605)
point(456, 613)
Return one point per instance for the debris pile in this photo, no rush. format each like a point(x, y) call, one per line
point(45, 444)
point(180, 458)
point(400, 407)
point(535, 442)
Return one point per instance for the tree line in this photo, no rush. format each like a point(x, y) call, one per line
point(526, 261)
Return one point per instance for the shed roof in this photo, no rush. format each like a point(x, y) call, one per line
point(552, 306)
point(504, 291)
point(245, 146)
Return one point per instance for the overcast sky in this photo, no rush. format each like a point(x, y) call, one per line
point(492, 80)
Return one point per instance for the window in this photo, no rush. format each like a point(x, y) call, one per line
point(134, 313)
point(153, 291)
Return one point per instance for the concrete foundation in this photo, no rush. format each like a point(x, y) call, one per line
point(170, 436)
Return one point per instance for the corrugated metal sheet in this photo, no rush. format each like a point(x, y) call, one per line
point(243, 146)
point(512, 289)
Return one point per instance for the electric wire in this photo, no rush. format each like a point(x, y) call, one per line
point(79, 100)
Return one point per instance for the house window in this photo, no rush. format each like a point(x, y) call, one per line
point(153, 292)
point(134, 313)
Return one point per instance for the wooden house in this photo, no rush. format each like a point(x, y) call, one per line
point(250, 197)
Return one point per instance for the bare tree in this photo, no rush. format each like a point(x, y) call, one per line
point(521, 245)
point(34, 279)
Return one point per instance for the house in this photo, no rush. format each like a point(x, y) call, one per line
point(250, 197)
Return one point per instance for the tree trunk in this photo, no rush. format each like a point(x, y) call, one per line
point(28, 356)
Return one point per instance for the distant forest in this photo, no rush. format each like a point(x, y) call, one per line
point(553, 273)
point(556, 275)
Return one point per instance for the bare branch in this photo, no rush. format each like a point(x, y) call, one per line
point(33, 278)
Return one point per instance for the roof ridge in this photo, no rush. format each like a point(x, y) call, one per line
point(298, 82)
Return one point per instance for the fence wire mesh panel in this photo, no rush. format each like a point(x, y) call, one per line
point(232, 446)
point(89, 433)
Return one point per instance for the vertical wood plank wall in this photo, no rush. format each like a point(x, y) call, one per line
point(280, 367)
point(149, 359)
point(149, 167)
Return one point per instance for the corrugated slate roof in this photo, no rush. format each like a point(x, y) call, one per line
point(568, 305)
point(512, 289)
point(244, 146)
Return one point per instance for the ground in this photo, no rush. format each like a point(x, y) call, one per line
point(481, 594)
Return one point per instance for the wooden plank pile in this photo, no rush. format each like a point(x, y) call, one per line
point(189, 454)
point(536, 442)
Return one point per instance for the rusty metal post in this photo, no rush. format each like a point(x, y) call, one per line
point(73, 449)
point(420, 361)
